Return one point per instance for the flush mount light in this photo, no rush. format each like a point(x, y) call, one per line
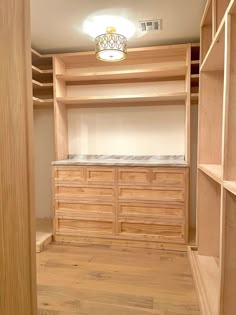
point(111, 46)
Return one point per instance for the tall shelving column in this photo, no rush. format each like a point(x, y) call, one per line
point(214, 261)
point(42, 80)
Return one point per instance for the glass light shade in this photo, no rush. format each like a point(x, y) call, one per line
point(111, 47)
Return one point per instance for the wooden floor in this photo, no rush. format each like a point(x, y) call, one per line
point(99, 280)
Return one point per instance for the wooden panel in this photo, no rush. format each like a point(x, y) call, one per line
point(134, 175)
point(172, 177)
point(208, 207)
point(151, 210)
point(17, 222)
point(100, 175)
point(210, 117)
point(81, 226)
point(151, 194)
point(160, 230)
point(76, 209)
point(228, 301)
point(206, 275)
point(69, 173)
point(230, 119)
point(85, 192)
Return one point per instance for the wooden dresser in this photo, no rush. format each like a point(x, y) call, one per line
point(123, 203)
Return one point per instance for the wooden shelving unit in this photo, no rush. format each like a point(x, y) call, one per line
point(195, 64)
point(214, 260)
point(42, 80)
point(149, 76)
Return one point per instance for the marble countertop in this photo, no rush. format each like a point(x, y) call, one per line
point(124, 160)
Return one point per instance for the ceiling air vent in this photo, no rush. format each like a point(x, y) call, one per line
point(150, 25)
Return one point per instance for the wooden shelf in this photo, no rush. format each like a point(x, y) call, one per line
point(214, 59)
point(39, 85)
point(212, 170)
point(171, 98)
point(230, 186)
point(164, 72)
point(36, 70)
point(206, 274)
point(44, 102)
point(195, 62)
point(195, 77)
point(194, 97)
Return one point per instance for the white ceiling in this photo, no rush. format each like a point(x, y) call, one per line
point(57, 25)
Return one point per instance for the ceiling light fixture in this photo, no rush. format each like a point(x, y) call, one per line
point(111, 46)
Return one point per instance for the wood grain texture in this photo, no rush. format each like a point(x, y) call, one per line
point(17, 240)
point(206, 274)
point(208, 207)
point(139, 203)
point(228, 289)
point(211, 117)
point(109, 280)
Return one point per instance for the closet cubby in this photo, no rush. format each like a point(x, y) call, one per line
point(195, 64)
point(206, 29)
point(210, 123)
point(209, 199)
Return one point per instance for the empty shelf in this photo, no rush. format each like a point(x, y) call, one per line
point(212, 170)
point(230, 186)
point(45, 102)
point(148, 73)
point(170, 98)
point(36, 70)
point(39, 85)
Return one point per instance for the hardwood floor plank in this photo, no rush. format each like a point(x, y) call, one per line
point(98, 280)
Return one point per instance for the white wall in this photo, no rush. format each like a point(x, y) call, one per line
point(132, 130)
point(44, 155)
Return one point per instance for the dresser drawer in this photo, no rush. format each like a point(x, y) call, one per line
point(168, 177)
point(101, 175)
point(71, 226)
point(77, 209)
point(73, 192)
point(69, 173)
point(161, 231)
point(150, 210)
point(151, 194)
point(134, 175)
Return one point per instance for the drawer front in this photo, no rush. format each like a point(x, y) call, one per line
point(151, 194)
point(69, 173)
point(134, 175)
point(151, 210)
point(100, 175)
point(174, 178)
point(86, 192)
point(71, 226)
point(158, 230)
point(77, 209)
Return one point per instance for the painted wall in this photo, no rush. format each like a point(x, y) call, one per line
point(131, 130)
point(44, 155)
